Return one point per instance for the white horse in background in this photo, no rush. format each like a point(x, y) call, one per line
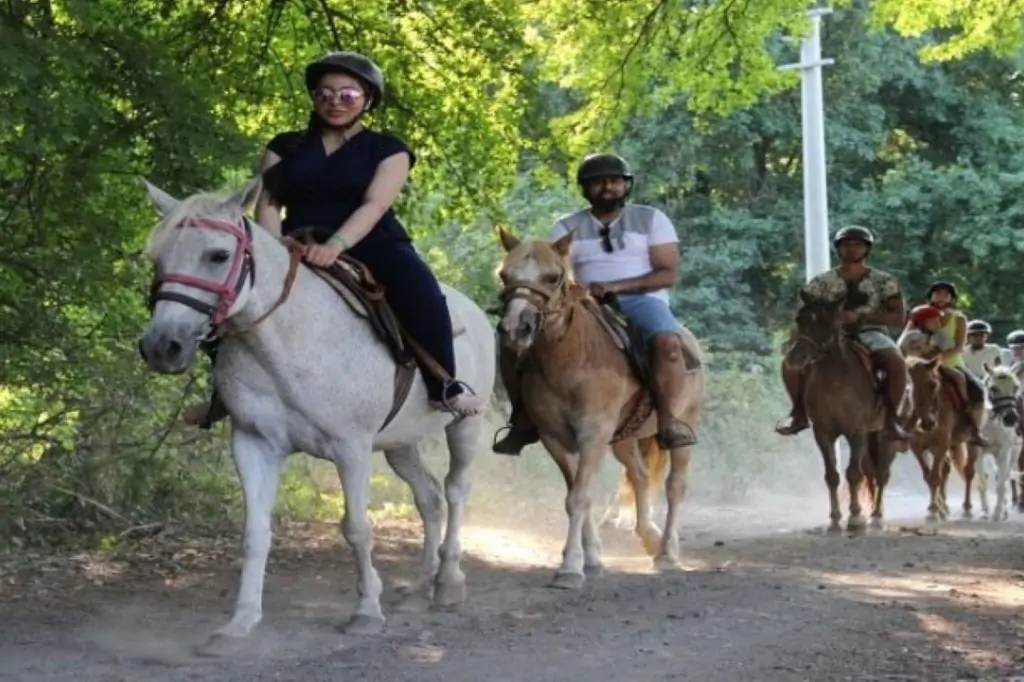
point(1001, 431)
point(311, 377)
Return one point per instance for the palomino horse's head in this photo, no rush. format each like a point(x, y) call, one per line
point(535, 276)
point(819, 330)
point(202, 248)
point(925, 389)
point(1003, 387)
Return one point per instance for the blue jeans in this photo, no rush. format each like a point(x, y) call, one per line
point(651, 314)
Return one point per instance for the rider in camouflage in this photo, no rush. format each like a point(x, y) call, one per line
point(873, 303)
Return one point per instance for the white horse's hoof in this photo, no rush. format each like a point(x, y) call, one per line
point(856, 523)
point(219, 644)
point(593, 570)
point(877, 523)
point(664, 563)
point(361, 624)
point(449, 594)
point(567, 581)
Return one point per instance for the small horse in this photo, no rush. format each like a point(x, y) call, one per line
point(842, 399)
point(1002, 431)
point(939, 440)
point(579, 390)
point(311, 376)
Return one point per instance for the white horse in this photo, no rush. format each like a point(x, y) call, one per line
point(311, 377)
point(1001, 431)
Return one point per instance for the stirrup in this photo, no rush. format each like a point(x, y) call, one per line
point(445, 403)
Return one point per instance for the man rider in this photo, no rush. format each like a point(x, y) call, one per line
point(979, 352)
point(873, 302)
point(629, 250)
point(1014, 356)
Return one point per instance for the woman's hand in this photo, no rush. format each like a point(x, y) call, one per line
point(323, 255)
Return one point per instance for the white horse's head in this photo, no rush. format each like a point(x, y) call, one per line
point(1003, 389)
point(202, 249)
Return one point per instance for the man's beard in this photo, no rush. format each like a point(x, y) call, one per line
point(606, 204)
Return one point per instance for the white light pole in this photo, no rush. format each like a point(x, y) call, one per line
point(816, 246)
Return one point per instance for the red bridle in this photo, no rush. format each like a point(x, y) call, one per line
point(242, 267)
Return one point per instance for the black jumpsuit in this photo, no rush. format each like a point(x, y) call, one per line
point(321, 190)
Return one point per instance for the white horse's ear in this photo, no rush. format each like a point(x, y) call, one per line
point(163, 201)
point(247, 196)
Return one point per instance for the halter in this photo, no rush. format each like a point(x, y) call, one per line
point(540, 297)
point(243, 268)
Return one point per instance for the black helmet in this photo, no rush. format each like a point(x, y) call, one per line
point(949, 287)
point(353, 64)
point(603, 166)
point(979, 327)
point(1015, 338)
point(856, 232)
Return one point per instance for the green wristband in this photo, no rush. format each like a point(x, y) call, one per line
point(339, 238)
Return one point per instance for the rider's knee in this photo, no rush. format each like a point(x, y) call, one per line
point(668, 347)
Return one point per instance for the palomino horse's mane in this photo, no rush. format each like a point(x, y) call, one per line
point(215, 203)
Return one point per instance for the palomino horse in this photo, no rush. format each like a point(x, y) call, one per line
point(579, 390)
point(1002, 431)
point(310, 377)
point(941, 432)
point(842, 399)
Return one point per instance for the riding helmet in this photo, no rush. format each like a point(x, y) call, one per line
point(979, 327)
point(353, 64)
point(923, 313)
point(853, 232)
point(941, 285)
point(1015, 338)
point(603, 166)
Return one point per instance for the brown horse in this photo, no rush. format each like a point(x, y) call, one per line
point(842, 399)
point(940, 438)
point(579, 390)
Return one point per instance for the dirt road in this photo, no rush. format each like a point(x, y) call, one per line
point(762, 599)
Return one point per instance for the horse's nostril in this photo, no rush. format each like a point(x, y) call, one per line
point(173, 349)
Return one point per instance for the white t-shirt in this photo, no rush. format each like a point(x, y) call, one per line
point(636, 229)
point(976, 360)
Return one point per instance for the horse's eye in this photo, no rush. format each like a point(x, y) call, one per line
point(552, 278)
point(219, 256)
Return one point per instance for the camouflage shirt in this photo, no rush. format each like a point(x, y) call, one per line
point(866, 296)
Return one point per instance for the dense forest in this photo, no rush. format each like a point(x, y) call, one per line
point(500, 99)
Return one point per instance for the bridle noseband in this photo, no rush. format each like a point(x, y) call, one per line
point(242, 269)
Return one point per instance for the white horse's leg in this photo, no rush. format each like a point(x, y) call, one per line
point(463, 437)
point(982, 477)
point(258, 462)
point(1005, 453)
point(352, 459)
point(407, 463)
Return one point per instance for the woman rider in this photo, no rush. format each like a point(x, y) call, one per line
point(950, 337)
point(341, 177)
